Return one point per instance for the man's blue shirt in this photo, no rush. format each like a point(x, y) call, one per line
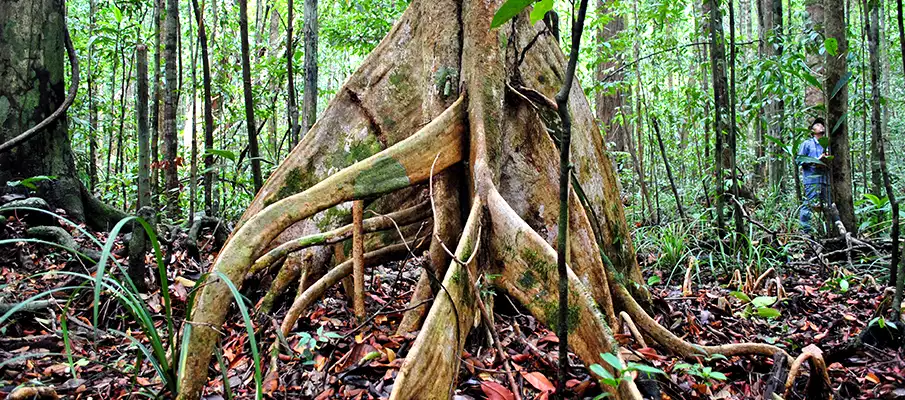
point(812, 173)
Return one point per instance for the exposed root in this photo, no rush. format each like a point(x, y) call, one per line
point(681, 347)
point(627, 320)
point(430, 368)
point(412, 318)
point(529, 276)
point(316, 290)
point(370, 225)
point(403, 164)
point(819, 384)
point(761, 278)
point(686, 283)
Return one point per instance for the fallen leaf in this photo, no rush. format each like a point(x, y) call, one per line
point(539, 381)
point(873, 378)
point(495, 391)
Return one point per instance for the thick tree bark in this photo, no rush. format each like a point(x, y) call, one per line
point(31, 89)
point(309, 101)
point(253, 152)
point(502, 141)
point(837, 107)
point(814, 96)
point(210, 171)
point(170, 104)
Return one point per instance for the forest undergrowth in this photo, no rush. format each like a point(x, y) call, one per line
point(704, 290)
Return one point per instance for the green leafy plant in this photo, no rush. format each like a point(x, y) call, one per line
point(614, 379)
point(308, 343)
point(699, 371)
point(30, 182)
point(759, 306)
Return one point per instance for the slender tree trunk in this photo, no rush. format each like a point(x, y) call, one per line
point(109, 173)
point(872, 23)
point(733, 130)
point(837, 108)
point(120, 148)
point(672, 182)
point(721, 105)
point(900, 276)
point(250, 126)
point(141, 112)
point(171, 98)
point(609, 102)
point(155, 107)
point(309, 105)
point(193, 155)
point(209, 170)
point(92, 104)
point(291, 100)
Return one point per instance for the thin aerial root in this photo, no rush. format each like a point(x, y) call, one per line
point(411, 319)
point(761, 278)
point(288, 274)
point(686, 284)
point(819, 384)
point(370, 225)
point(431, 366)
point(316, 290)
point(681, 347)
point(627, 320)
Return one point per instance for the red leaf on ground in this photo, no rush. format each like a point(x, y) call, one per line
point(495, 391)
point(539, 381)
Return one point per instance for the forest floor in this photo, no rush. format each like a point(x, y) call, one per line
point(332, 356)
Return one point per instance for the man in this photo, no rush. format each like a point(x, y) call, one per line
point(812, 158)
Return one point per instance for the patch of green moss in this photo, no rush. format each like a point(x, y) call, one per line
point(527, 280)
point(334, 217)
point(537, 263)
point(384, 176)
point(296, 181)
point(551, 314)
point(4, 109)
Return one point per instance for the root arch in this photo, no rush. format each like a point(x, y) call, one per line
point(504, 149)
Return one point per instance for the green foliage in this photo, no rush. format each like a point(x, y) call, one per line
point(759, 306)
point(508, 11)
point(30, 182)
point(613, 380)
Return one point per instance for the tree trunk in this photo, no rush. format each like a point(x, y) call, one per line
point(170, 104)
point(813, 96)
point(837, 108)
point(250, 126)
point(159, 7)
point(208, 112)
point(309, 101)
point(511, 182)
point(292, 109)
point(92, 105)
point(872, 24)
point(608, 102)
point(721, 105)
point(141, 112)
point(31, 89)
point(900, 277)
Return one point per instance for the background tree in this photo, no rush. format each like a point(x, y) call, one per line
point(253, 153)
point(837, 76)
point(171, 101)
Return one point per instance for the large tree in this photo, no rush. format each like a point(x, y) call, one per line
point(502, 129)
point(33, 46)
point(609, 102)
point(836, 83)
point(170, 105)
